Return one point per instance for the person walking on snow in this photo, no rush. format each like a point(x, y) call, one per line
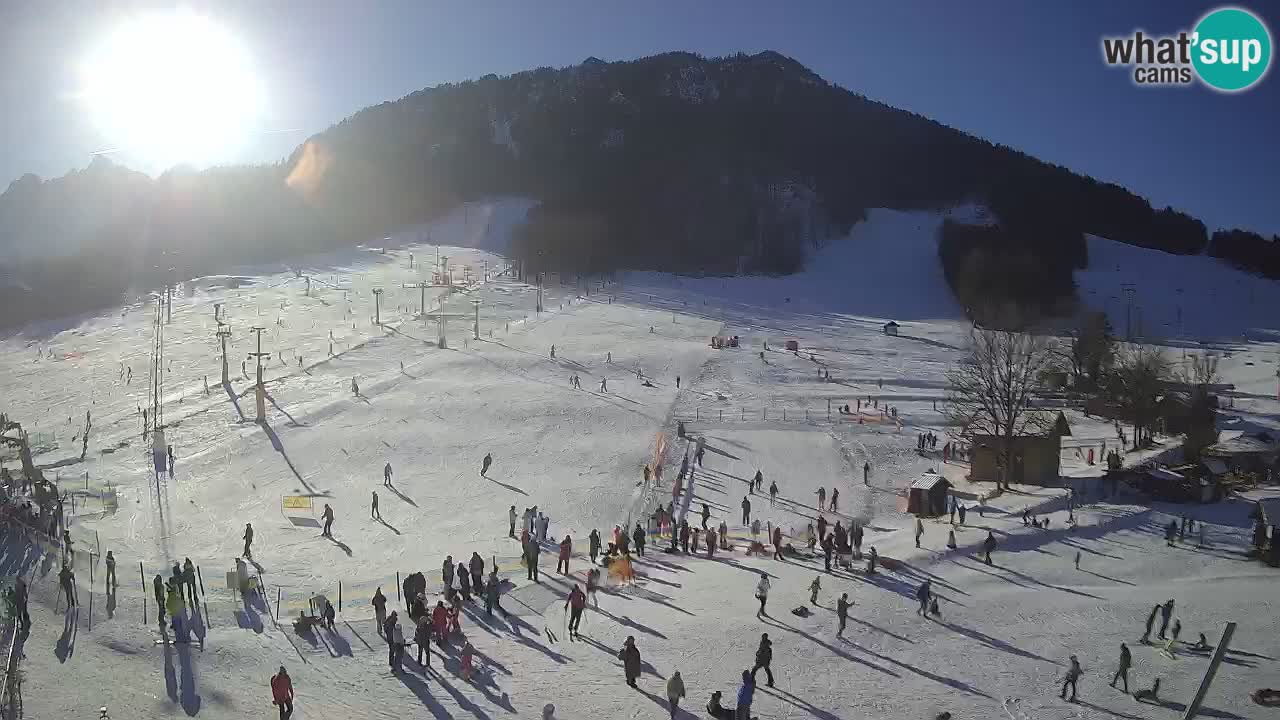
point(422, 636)
point(531, 560)
point(594, 544)
point(604, 384)
point(248, 541)
point(866, 474)
point(566, 548)
point(374, 514)
point(675, 692)
point(777, 542)
point(835, 499)
point(746, 693)
point(386, 475)
point(822, 498)
point(157, 586)
point(746, 511)
point(1146, 636)
point(922, 594)
point(327, 517)
point(282, 693)
point(484, 465)
point(464, 582)
point(379, 603)
point(637, 536)
point(630, 658)
point(822, 528)
point(1122, 672)
point(706, 515)
point(919, 531)
point(773, 493)
point(511, 520)
point(476, 565)
point(446, 571)
point(764, 658)
point(756, 482)
point(814, 587)
point(1166, 612)
point(492, 599)
point(842, 613)
point(762, 594)
point(989, 545)
point(1072, 676)
point(575, 603)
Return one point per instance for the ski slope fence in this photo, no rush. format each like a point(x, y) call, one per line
point(784, 414)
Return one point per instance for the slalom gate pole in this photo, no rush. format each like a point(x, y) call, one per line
point(398, 586)
point(142, 578)
point(339, 596)
point(90, 593)
point(277, 602)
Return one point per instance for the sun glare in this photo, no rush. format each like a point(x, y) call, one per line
point(171, 88)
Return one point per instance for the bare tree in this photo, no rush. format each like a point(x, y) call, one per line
point(1089, 352)
point(1202, 415)
point(1137, 383)
point(990, 390)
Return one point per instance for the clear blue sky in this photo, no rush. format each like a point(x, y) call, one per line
point(1026, 74)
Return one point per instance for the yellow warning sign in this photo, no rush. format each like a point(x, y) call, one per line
point(297, 502)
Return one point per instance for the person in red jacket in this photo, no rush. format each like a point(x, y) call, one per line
point(282, 693)
point(440, 619)
point(575, 603)
point(566, 548)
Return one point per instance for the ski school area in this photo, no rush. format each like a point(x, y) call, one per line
point(842, 578)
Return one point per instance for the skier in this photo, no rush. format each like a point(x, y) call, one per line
point(814, 587)
point(439, 623)
point(822, 528)
point(374, 513)
point(919, 531)
point(446, 571)
point(1146, 635)
point(484, 465)
point(395, 641)
point(575, 603)
point(604, 384)
point(386, 474)
point(706, 515)
point(638, 536)
point(962, 510)
point(1122, 672)
point(923, 594)
point(842, 612)
point(835, 498)
point(379, 603)
point(566, 548)
point(764, 658)
point(871, 561)
point(630, 657)
point(169, 451)
point(248, 541)
point(327, 517)
point(822, 498)
point(1166, 612)
point(777, 542)
point(1072, 676)
point(723, 534)
point(762, 594)
point(355, 387)
point(866, 474)
point(553, 352)
point(476, 565)
point(989, 545)
point(684, 535)
point(773, 493)
point(282, 693)
point(511, 520)
point(828, 547)
point(67, 580)
point(746, 511)
point(112, 583)
point(1077, 559)
point(711, 542)
point(675, 686)
point(594, 540)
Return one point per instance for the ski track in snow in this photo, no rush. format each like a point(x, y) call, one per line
point(1005, 631)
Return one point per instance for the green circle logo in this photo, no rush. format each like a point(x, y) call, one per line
point(1231, 49)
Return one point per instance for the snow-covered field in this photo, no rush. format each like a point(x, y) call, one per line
point(432, 413)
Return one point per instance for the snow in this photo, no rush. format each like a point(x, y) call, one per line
point(1005, 632)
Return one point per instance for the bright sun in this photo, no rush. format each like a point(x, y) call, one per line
point(171, 88)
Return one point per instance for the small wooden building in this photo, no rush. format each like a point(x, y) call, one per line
point(927, 497)
point(891, 328)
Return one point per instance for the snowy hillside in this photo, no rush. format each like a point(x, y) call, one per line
point(1178, 296)
point(639, 348)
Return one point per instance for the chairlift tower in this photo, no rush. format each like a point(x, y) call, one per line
point(377, 306)
point(223, 333)
point(259, 390)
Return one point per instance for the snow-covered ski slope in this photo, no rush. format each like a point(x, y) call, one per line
point(1005, 631)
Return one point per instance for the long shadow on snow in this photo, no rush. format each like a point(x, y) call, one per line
point(767, 620)
point(279, 447)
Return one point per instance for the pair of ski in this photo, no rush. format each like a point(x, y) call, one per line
point(555, 639)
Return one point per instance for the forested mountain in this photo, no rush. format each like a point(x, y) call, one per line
point(673, 162)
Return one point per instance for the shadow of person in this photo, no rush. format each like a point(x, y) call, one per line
point(111, 602)
point(345, 548)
